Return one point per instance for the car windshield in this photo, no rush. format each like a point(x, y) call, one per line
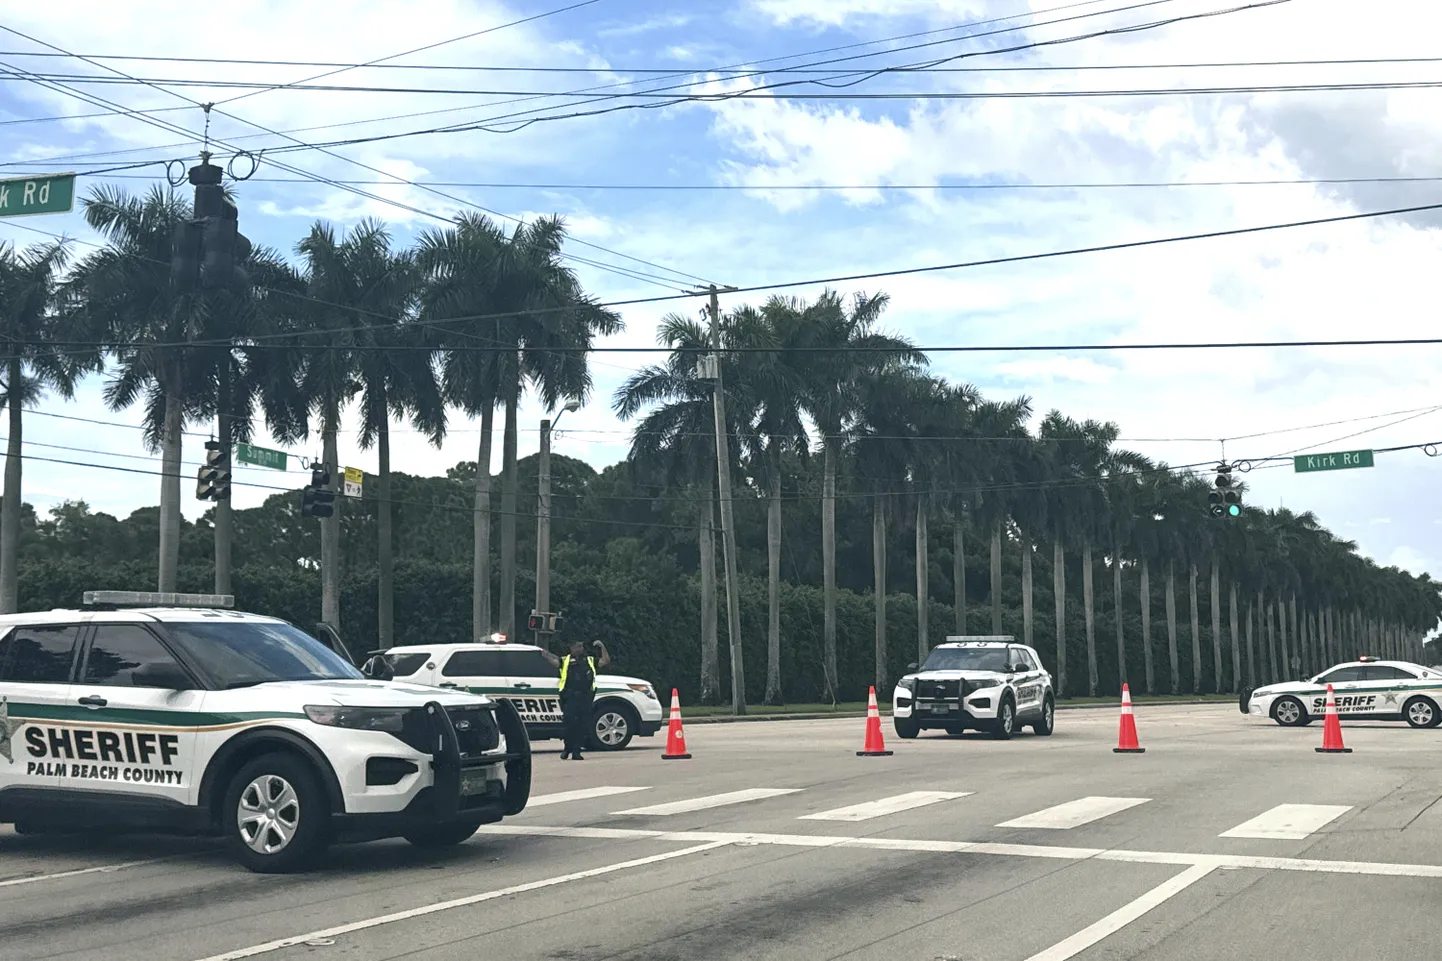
point(966, 659)
point(241, 653)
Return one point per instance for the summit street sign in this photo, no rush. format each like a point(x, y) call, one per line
point(24, 196)
point(1342, 460)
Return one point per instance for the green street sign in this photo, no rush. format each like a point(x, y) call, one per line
point(1343, 460)
point(24, 196)
point(260, 456)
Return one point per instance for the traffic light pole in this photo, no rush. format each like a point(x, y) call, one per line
point(543, 525)
point(728, 525)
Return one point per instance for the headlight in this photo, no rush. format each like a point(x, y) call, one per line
point(389, 719)
point(645, 689)
point(907, 684)
point(986, 682)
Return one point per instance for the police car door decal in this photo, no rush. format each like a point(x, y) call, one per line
point(537, 688)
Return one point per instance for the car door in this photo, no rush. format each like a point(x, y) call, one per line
point(537, 685)
point(1345, 682)
point(1383, 689)
point(478, 670)
point(1026, 681)
point(36, 666)
point(139, 714)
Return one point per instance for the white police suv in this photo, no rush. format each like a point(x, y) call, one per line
point(171, 712)
point(520, 674)
point(1365, 688)
point(988, 683)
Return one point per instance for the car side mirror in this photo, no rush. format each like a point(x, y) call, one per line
point(168, 677)
point(378, 669)
point(912, 666)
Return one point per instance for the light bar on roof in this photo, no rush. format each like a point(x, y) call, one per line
point(157, 599)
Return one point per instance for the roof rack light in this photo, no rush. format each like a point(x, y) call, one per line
point(156, 599)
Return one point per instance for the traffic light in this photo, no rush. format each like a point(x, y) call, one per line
point(1226, 499)
point(212, 480)
point(316, 500)
point(224, 250)
point(185, 256)
point(545, 622)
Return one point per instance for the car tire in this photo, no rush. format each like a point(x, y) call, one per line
point(1421, 712)
point(906, 727)
point(442, 835)
point(613, 725)
point(275, 815)
point(1047, 722)
point(1005, 724)
point(1289, 712)
point(956, 730)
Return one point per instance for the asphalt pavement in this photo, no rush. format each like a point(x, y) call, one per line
point(1228, 839)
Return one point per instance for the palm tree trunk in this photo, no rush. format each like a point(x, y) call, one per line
point(330, 526)
point(996, 578)
point(1058, 589)
point(1216, 593)
point(1324, 636)
point(710, 652)
point(481, 542)
point(1298, 648)
point(1277, 671)
point(1196, 635)
point(878, 565)
point(1146, 596)
point(1026, 596)
point(170, 492)
point(1176, 687)
point(958, 573)
point(1251, 651)
point(923, 585)
point(10, 507)
point(224, 519)
point(1236, 638)
point(1089, 610)
point(1119, 615)
point(828, 568)
point(385, 557)
point(773, 581)
point(509, 481)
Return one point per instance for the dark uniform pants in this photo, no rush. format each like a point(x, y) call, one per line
point(576, 715)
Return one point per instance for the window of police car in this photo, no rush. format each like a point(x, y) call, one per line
point(966, 659)
point(240, 654)
point(474, 664)
point(404, 665)
point(42, 654)
point(128, 655)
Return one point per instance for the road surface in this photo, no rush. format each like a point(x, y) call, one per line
point(1227, 839)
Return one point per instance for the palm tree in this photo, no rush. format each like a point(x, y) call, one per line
point(32, 314)
point(127, 294)
point(1001, 462)
point(846, 350)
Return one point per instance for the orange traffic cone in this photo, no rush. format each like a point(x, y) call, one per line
point(874, 747)
point(1332, 729)
point(675, 737)
point(1127, 735)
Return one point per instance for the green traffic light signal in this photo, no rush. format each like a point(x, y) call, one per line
point(1234, 510)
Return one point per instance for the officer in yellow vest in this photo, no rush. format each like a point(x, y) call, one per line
point(578, 693)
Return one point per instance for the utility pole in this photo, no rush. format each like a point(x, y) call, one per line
point(728, 526)
point(543, 520)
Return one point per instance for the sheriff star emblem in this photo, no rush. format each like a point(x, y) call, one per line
point(7, 730)
point(1391, 698)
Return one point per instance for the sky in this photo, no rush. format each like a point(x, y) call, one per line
point(944, 166)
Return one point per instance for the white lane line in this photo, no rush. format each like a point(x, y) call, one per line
point(1074, 813)
point(1288, 822)
point(712, 801)
point(102, 869)
point(367, 923)
point(561, 797)
point(1179, 858)
point(1123, 916)
point(889, 805)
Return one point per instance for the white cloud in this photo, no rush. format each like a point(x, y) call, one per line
point(835, 13)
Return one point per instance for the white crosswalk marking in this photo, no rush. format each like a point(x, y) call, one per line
point(1288, 822)
point(712, 801)
point(560, 797)
point(1074, 813)
point(889, 805)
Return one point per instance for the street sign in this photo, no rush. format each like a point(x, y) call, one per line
point(260, 456)
point(24, 196)
point(1342, 460)
point(353, 478)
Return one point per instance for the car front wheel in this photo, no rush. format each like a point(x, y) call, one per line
point(1047, 722)
point(1005, 724)
point(612, 727)
point(1289, 712)
point(275, 815)
point(906, 728)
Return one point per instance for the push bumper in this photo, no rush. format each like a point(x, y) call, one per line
point(949, 705)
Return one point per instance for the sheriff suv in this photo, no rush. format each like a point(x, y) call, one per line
point(987, 683)
point(172, 712)
point(520, 674)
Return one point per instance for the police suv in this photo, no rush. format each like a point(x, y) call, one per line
point(520, 675)
point(1364, 688)
point(988, 683)
point(172, 712)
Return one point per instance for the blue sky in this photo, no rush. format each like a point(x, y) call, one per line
point(1368, 278)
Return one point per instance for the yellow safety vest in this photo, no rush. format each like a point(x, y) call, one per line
point(566, 663)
